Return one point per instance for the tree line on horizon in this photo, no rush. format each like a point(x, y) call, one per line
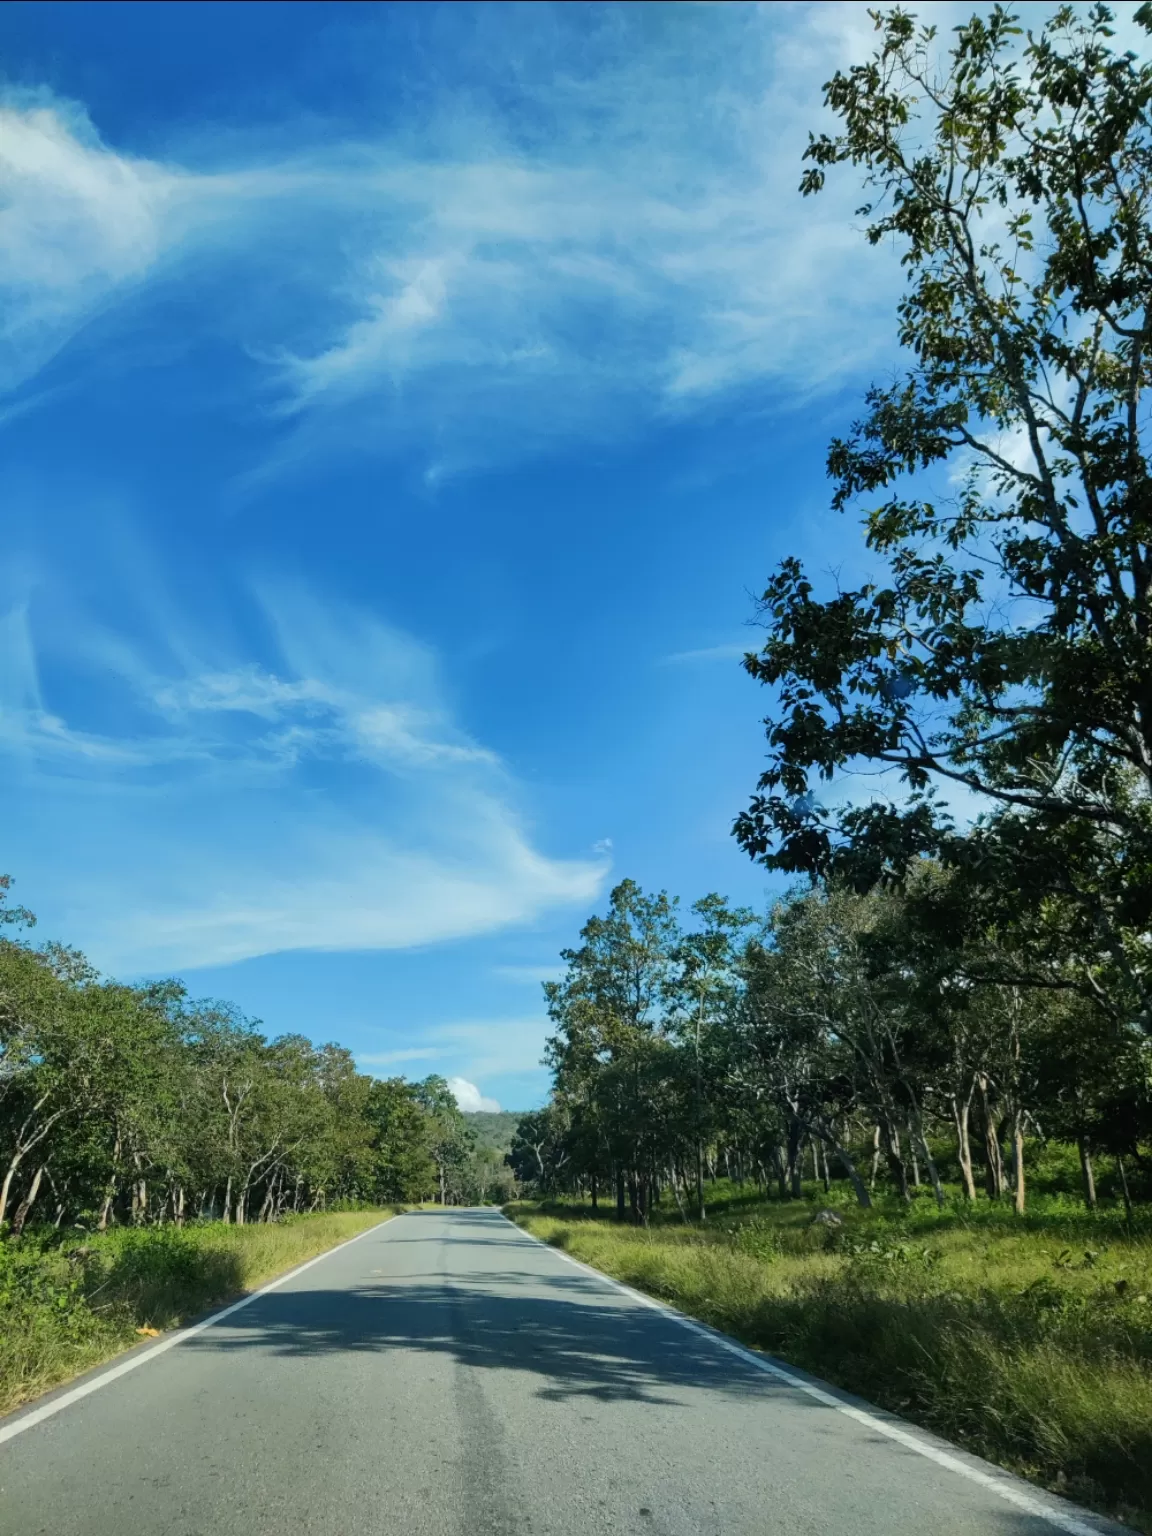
point(137, 1104)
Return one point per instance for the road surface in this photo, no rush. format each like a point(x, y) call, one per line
point(446, 1375)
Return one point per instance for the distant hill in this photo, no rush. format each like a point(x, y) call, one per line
point(495, 1130)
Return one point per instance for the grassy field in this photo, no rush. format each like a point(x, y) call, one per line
point(1025, 1339)
point(68, 1305)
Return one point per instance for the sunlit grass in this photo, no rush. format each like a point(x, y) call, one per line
point(1027, 1341)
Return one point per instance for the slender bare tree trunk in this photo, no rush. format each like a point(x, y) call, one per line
point(1018, 1160)
point(875, 1157)
point(960, 1114)
point(1120, 1169)
point(895, 1159)
point(1086, 1174)
point(993, 1161)
point(61, 1204)
point(24, 1208)
point(863, 1198)
point(6, 1187)
point(679, 1198)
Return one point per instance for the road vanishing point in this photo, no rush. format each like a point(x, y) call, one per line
point(444, 1374)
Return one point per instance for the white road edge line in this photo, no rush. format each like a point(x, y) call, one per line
point(998, 1485)
point(169, 1341)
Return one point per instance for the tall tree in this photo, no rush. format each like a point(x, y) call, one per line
point(1008, 648)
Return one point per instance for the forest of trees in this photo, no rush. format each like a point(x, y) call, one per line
point(970, 960)
point(883, 1039)
point(135, 1104)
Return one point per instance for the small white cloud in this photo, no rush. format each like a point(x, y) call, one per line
point(469, 1098)
point(708, 653)
point(532, 975)
point(603, 845)
point(394, 1058)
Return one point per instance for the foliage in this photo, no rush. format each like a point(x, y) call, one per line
point(138, 1105)
point(880, 1038)
point(1007, 650)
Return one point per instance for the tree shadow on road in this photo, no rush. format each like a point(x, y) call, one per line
point(561, 1328)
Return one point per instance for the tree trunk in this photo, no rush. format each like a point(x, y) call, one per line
point(178, 1206)
point(6, 1187)
point(917, 1135)
point(1018, 1160)
point(781, 1170)
point(1086, 1173)
point(993, 1161)
point(960, 1114)
point(29, 1200)
point(895, 1160)
point(269, 1201)
point(701, 1208)
point(863, 1198)
point(60, 1199)
point(593, 1181)
point(875, 1157)
point(620, 1208)
point(678, 1196)
point(795, 1153)
point(227, 1216)
point(933, 1172)
point(1124, 1189)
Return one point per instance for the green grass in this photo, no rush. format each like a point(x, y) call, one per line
point(1027, 1340)
point(67, 1305)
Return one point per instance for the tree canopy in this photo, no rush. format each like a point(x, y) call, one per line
point(1004, 648)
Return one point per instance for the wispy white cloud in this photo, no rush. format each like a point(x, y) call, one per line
point(529, 975)
point(395, 1058)
point(629, 243)
point(473, 1051)
point(325, 799)
point(709, 653)
point(79, 222)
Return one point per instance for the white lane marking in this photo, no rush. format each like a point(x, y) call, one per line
point(170, 1341)
point(1000, 1485)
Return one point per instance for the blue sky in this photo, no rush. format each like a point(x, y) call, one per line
point(400, 407)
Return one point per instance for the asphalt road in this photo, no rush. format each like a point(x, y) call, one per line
point(446, 1375)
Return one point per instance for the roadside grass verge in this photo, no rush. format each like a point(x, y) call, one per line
point(68, 1304)
point(1026, 1340)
